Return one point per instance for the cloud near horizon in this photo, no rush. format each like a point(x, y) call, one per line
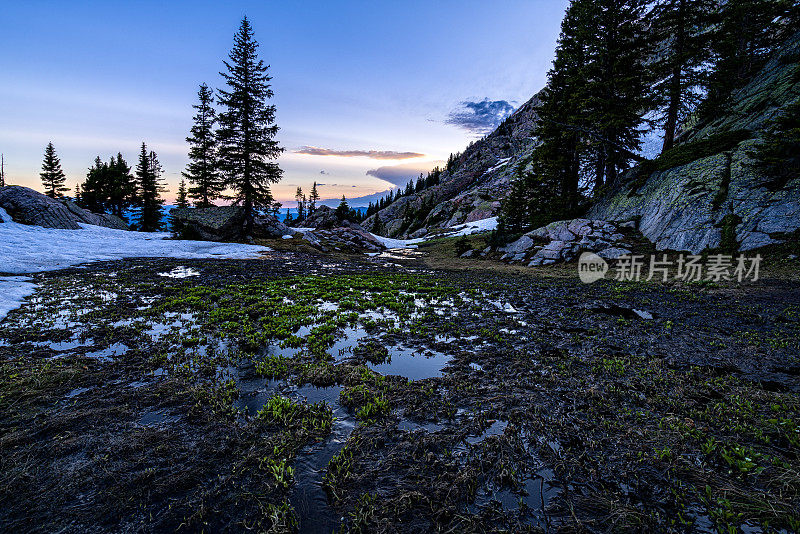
point(480, 117)
point(372, 154)
point(399, 175)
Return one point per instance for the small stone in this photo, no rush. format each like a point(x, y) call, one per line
point(613, 253)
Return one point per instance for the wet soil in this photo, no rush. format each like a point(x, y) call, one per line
point(374, 394)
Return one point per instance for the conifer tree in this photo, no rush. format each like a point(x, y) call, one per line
point(247, 148)
point(343, 209)
point(2, 170)
point(301, 203)
point(616, 91)
point(182, 200)
point(681, 34)
point(52, 175)
point(313, 197)
point(202, 169)
point(120, 186)
point(148, 176)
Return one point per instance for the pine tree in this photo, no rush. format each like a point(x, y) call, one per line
point(680, 31)
point(52, 175)
point(202, 169)
point(94, 189)
point(342, 210)
point(247, 127)
point(301, 203)
point(121, 187)
point(313, 197)
point(616, 92)
point(182, 200)
point(2, 170)
point(148, 176)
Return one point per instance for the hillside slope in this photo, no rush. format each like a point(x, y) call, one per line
point(471, 190)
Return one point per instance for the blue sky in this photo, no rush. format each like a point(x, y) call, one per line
point(368, 86)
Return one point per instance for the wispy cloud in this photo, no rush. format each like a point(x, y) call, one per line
point(372, 154)
point(480, 117)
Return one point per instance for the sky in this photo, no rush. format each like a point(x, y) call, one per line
point(367, 93)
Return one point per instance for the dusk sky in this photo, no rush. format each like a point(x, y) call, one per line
point(366, 92)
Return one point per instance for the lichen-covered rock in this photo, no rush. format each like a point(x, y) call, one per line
point(223, 223)
point(97, 219)
point(26, 206)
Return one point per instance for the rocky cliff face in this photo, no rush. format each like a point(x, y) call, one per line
point(472, 189)
point(27, 206)
point(691, 205)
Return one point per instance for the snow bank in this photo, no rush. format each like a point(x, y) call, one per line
point(388, 242)
point(30, 249)
point(474, 227)
point(13, 290)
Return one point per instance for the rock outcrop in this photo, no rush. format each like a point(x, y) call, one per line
point(323, 217)
point(26, 206)
point(351, 238)
point(223, 223)
point(563, 241)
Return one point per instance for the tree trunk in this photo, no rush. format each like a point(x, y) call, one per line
point(675, 82)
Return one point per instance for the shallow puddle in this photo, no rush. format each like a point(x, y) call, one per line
point(180, 272)
point(107, 354)
point(495, 429)
point(157, 417)
point(413, 364)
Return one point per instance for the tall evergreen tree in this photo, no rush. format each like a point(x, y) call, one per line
point(182, 200)
point(616, 91)
point(313, 197)
point(301, 203)
point(148, 176)
point(121, 187)
point(2, 170)
point(202, 169)
point(52, 175)
point(247, 148)
point(680, 31)
point(109, 187)
point(94, 189)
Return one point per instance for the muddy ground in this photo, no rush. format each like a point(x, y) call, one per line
point(317, 393)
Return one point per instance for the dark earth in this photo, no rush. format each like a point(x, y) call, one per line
point(318, 393)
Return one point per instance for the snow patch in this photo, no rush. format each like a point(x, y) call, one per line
point(500, 163)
